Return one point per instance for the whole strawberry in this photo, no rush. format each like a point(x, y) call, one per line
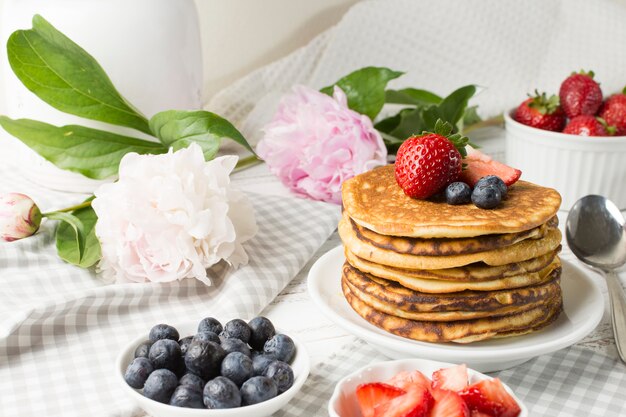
point(585, 125)
point(541, 112)
point(427, 163)
point(613, 111)
point(580, 94)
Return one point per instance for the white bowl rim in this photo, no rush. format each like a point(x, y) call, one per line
point(566, 137)
point(412, 362)
point(120, 365)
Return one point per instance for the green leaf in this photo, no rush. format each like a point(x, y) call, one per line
point(365, 89)
point(471, 116)
point(453, 106)
point(180, 128)
point(412, 96)
point(65, 76)
point(90, 152)
point(78, 246)
point(411, 123)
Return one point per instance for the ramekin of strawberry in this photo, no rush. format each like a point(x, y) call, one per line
point(416, 387)
point(574, 141)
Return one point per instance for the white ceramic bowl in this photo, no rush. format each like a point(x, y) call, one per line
point(343, 402)
point(300, 366)
point(573, 165)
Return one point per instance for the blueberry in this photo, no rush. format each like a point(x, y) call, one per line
point(187, 396)
point(235, 345)
point(494, 180)
point(458, 193)
point(143, 349)
point(237, 367)
point(184, 344)
point(281, 373)
point(262, 330)
point(138, 371)
point(207, 337)
point(486, 196)
point(165, 353)
point(258, 389)
point(204, 359)
point(160, 385)
point(260, 363)
point(221, 392)
point(192, 380)
point(163, 331)
point(237, 329)
point(280, 347)
point(210, 324)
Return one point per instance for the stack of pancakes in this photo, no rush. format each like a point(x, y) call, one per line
point(430, 271)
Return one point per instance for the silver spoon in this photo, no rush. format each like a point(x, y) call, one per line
point(596, 234)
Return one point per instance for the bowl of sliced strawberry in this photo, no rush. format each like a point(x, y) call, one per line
point(574, 142)
point(420, 387)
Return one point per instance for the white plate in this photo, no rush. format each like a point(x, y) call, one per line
point(343, 402)
point(583, 306)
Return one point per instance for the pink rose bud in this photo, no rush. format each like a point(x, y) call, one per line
point(19, 217)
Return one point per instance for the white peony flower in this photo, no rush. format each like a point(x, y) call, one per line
point(171, 217)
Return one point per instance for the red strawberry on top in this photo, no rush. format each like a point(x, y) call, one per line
point(585, 125)
point(454, 378)
point(480, 165)
point(541, 112)
point(580, 94)
point(372, 395)
point(490, 397)
point(427, 163)
point(613, 111)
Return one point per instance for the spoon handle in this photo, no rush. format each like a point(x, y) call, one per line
point(618, 312)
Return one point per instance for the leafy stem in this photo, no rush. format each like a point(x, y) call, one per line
point(82, 205)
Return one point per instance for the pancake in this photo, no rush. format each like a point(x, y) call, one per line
point(413, 278)
point(375, 201)
point(446, 246)
point(464, 331)
point(392, 298)
point(521, 251)
point(435, 286)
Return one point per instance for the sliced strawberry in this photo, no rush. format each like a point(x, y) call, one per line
point(480, 165)
point(448, 404)
point(373, 394)
point(490, 397)
point(476, 413)
point(406, 379)
point(454, 378)
point(417, 402)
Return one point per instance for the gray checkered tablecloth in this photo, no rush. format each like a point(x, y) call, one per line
point(61, 327)
point(570, 382)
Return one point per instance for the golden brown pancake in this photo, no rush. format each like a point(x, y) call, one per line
point(521, 251)
point(375, 201)
point(446, 246)
point(464, 331)
point(473, 273)
point(395, 299)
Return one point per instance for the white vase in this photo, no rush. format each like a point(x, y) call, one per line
point(149, 48)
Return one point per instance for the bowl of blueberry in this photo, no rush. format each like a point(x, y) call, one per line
point(208, 368)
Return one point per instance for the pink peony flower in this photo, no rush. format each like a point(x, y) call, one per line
point(315, 143)
point(170, 217)
point(19, 217)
